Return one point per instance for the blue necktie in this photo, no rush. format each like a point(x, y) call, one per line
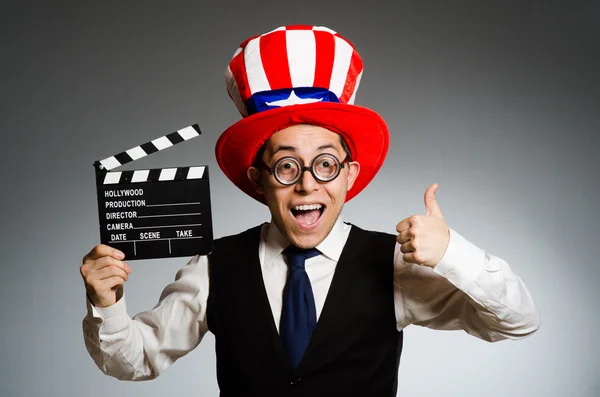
point(298, 314)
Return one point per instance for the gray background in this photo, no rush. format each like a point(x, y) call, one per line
point(496, 101)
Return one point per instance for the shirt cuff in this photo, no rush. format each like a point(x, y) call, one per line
point(115, 310)
point(462, 262)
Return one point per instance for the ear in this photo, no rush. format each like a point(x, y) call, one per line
point(353, 171)
point(253, 174)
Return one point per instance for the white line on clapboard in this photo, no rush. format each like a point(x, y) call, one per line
point(160, 216)
point(142, 176)
point(156, 227)
point(162, 205)
point(155, 239)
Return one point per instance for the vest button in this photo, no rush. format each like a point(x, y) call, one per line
point(295, 382)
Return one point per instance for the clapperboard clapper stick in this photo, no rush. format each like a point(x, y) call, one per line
point(155, 213)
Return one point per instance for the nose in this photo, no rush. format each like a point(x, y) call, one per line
point(307, 183)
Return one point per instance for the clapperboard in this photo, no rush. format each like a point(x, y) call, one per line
point(155, 213)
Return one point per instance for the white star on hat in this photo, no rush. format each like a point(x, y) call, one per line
point(293, 99)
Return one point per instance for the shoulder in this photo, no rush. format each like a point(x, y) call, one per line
point(371, 247)
point(232, 253)
point(364, 233)
point(370, 240)
point(253, 231)
point(249, 236)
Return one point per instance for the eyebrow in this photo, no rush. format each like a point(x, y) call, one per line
point(294, 149)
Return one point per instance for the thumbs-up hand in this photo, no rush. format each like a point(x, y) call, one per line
point(423, 239)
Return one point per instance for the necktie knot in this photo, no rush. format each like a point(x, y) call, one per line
point(297, 256)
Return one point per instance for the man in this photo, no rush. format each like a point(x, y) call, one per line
point(290, 319)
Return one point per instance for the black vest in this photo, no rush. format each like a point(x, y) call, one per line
point(355, 349)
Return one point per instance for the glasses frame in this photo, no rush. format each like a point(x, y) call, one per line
point(304, 168)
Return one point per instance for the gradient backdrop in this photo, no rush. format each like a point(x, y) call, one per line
point(498, 102)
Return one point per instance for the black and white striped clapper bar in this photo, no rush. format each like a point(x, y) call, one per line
point(155, 213)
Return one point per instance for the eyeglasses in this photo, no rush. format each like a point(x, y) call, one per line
point(324, 168)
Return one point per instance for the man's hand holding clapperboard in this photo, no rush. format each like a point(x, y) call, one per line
point(146, 214)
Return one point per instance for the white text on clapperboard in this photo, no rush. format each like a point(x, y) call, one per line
point(133, 203)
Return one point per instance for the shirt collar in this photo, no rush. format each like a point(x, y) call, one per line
point(331, 246)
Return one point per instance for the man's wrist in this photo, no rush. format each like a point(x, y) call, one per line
point(119, 308)
point(461, 263)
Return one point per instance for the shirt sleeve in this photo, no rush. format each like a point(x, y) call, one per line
point(468, 289)
point(144, 346)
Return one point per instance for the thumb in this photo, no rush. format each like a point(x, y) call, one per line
point(431, 204)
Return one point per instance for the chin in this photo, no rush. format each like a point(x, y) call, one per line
point(307, 241)
point(309, 238)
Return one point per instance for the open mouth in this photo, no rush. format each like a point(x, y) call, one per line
point(308, 214)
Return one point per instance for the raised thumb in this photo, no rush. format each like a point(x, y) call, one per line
point(431, 205)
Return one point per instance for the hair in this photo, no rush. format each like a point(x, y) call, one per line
point(261, 151)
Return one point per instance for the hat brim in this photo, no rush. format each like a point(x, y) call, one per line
point(365, 132)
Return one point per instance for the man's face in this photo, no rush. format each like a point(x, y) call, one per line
point(306, 211)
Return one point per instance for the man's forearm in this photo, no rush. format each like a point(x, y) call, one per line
point(470, 290)
point(114, 343)
point(144, 346)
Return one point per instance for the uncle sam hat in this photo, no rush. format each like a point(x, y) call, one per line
point(298, 75)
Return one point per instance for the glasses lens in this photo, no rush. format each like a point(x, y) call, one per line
point(287, 169)
point(326, 167)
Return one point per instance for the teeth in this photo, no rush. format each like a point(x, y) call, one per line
point(307, 207)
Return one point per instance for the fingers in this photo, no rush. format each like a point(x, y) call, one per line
point(104, 293)
point(411, 257)
point(93, 266)
point(408, 243)
point(102, 250)
point(103, 271)
point(112, 282)
point(423, 237)
point(409, 251)
point(102, 284)
point(407, 247)
point(405, 236)
point(408, 223)
point(404, 224)
point(105, 279)
point(109, 272)
point(109, 261)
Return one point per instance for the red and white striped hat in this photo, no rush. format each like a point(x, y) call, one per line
point(298, 75)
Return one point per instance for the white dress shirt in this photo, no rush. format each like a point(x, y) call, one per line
point(468, 289)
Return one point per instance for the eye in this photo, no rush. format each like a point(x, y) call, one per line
point(326, 162)
point(326, 166)
point(287, 167)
